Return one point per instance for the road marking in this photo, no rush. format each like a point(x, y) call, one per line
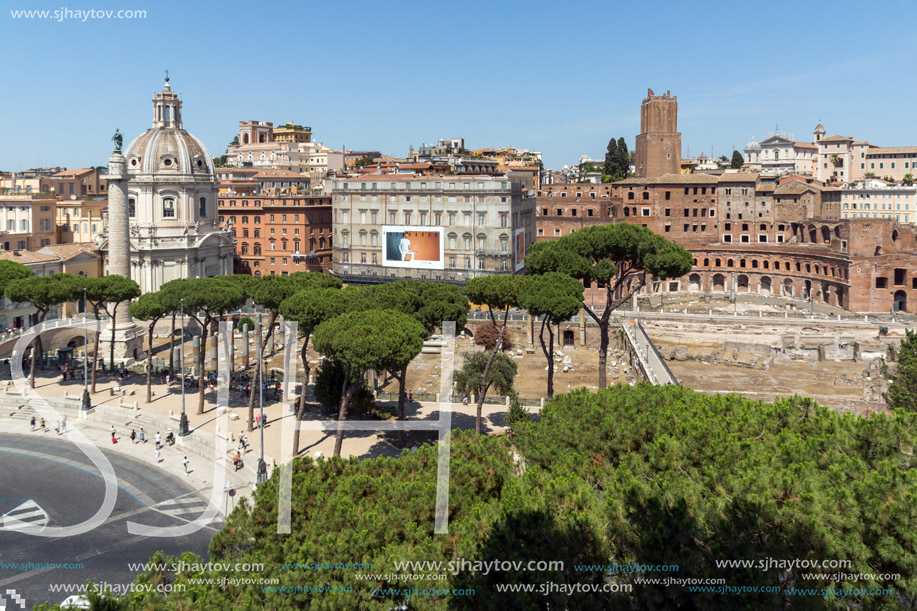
point(29, 513)
point(187, 507)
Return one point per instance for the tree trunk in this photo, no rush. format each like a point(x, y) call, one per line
point(603, 353)
point(149, 364)
point(257, 374)
point(36, 351)
point(111, 349)
point(172, 346)
point(95, 351)
point(201, 353)
point(484, 384)
point(402, 376)
point(345, 403)
point(302, 397)
point(548, 353)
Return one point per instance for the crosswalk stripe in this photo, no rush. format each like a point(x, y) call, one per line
point(172, 502)
point(24, 515)
point(29, 512)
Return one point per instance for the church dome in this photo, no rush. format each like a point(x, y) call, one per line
point(166, 148)
point(752, 146)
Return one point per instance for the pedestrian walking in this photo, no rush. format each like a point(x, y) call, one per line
point(133, 437)
point(156, 455)
point(32, 423)
point(42, 425)
point(63, 425)
point(113, 431)
point(185, 462)
point(258, 420)
point(142, 436)
point(410, 396)
point(168, 380)
point(158, 440)
point(57, 427)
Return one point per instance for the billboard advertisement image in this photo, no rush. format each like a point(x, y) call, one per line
point(405, 246)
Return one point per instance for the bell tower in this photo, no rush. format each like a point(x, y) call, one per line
point(659, 143)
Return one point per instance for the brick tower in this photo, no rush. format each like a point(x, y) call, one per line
point(659, 143)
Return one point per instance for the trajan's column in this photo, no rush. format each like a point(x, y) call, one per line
point(128, 335)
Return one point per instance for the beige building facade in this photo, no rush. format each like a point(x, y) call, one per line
point(27, 221)
point(450, 228)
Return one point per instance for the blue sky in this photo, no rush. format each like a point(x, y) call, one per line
point(556, 77)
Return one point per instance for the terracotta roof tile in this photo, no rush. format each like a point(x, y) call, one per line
point(671, 179)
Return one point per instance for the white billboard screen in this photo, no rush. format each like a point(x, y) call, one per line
point(415, 247)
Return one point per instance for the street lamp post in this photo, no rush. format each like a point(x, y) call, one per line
point(262, 466)
point(87, 402)
point(183, 423)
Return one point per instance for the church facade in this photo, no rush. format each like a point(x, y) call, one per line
point(172, 195)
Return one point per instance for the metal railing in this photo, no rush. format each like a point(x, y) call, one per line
point(651, 362)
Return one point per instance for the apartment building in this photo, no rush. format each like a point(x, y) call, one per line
point(278, 235)
point(450, 228)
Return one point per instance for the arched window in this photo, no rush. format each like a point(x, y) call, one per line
point(168, 208)
point(312, 244)
point(296, 246)
point(244, 219)
point(131, 207)
point(202, 206)
point(244, 248)
point(257, 249)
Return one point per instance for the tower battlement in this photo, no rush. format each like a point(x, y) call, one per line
point(658, 149)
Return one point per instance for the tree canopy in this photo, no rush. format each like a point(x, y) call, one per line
point(618, 257)
point(554, 297)
point(617, 159)
point(204, 300)
point(11, 271)
point(737, 160)
point(369, 339)
point(902, 392)
point(645, 475)
point(501, 375)
point(499, 294)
